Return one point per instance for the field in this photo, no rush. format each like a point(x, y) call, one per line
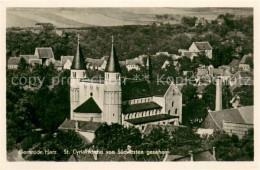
point(76, 17)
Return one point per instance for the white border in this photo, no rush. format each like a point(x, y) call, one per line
point(127, 165)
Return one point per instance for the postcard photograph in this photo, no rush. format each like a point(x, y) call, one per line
point(146, 84)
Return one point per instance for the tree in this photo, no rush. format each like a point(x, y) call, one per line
point(115, 136)
point(194, 112)
point(227, 147)
point(246, 94)
point(189, 92)
point(190, 21)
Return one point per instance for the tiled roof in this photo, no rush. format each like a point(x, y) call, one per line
point(202, 72)
point(82, 125)
point(215, 119)
point(89, 106)
point(170, 128)
point(122, 63)
point(159, 89)
point(65, 58)
point(94, 62)
point(14, 60)
point(35, 61)
point(234, 62)
point(134, 61)
point(199, 156)
point(45, 52)
point(153, 118)
point(243, 60)
point(57, 64)
point(140, 107)
point(218, 72)
point(132, 89)
point(29, 57)
point(247, 113)
point(203, 45)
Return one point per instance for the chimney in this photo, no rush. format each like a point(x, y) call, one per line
point(191, 155)
point(218, 94)
point(214, 151)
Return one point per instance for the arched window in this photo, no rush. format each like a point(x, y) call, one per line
point(172, 103)
point(74, 74)
point(169, 111)
point(176, 111)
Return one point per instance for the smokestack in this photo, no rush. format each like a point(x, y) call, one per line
point(214, 152)
point(218, 94)
point(191, 155)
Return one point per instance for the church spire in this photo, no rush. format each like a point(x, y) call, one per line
point(113, 64)
point(78, 62)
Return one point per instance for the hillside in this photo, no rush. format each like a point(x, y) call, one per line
point(76, 17)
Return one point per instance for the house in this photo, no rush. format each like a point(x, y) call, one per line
point(45, 54)
point(96, 64)
point(241, 78)
point(233, 121)
point(201, 47)
point(201, 72)
point(66, 62)
point(243, 62)
point(196, 156)
point(134, 64)
point(13, 62)
point(162, 53)
point(201, 21)
point(130, 102)
point(29, 58)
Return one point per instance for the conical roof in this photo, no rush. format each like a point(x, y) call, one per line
point(78, 62)
point(113, 64)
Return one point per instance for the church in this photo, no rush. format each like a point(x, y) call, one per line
point(115, 100)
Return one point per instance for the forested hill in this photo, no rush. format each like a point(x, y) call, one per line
point(135, 40)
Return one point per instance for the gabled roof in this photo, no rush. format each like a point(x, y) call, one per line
point(78, 61)
point(82, 125)
point(89, 106)
point(244, 58)
point(140, 107)
point(94, 62)
point(44, 52)
point(29, 57)
point(14, 60)
point(234, 62)
point(215, 119)
point(218, 71)
point(170, 128)
point(153, 118)
point(132, 89)
point(65, 58)
point(134, 61)
point(35, 61)
point(57, 64)
point(113, 64)
point(199, 156)
point(203, 45)
point(202, 72)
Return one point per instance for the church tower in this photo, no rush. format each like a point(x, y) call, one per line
point(77, 72)
point(112, 90)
